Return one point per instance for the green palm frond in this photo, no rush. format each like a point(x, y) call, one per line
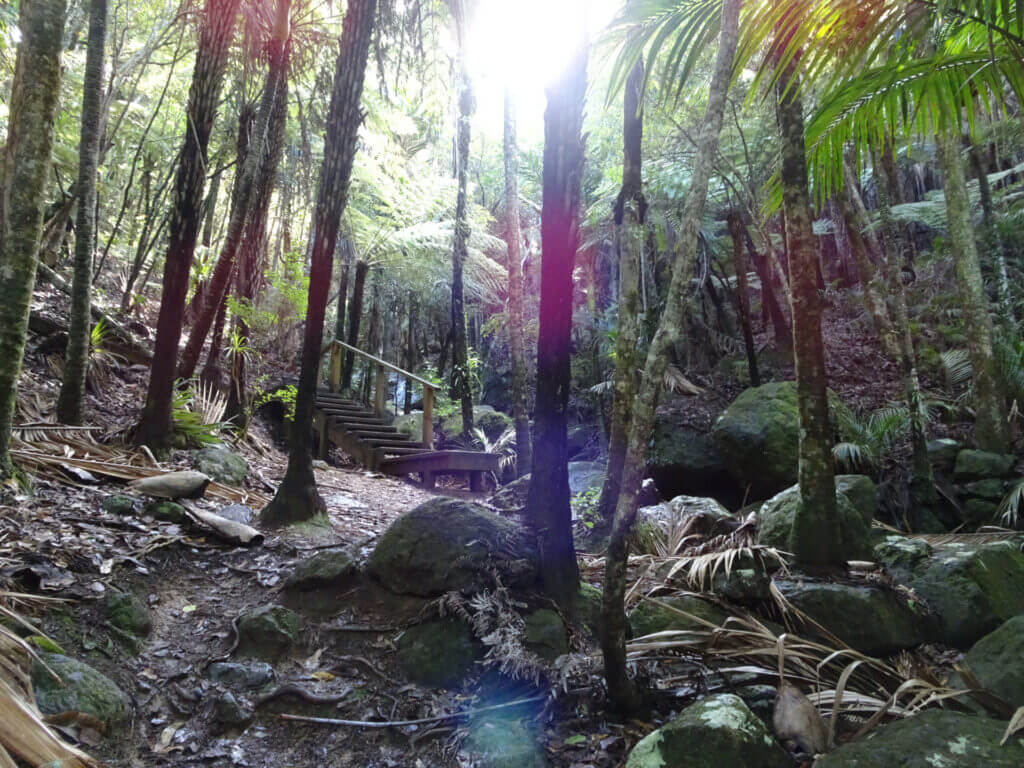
point(1010, 507)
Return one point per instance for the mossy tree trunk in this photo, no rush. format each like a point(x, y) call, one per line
point(70, 403)
point(346, 268)
point(622, 691)
point(215, 34)
point(516, 330)
point(629, 224)
point(814, 540)
point(297, 498)
point(547, 501)
point(739, 263)
point(990, 428)
point(31, 110)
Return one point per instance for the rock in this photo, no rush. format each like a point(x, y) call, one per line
point(980, 511)
point(588, 608)
point(712, 518)
point(267, 632)
point(978, 465)
point(743, 585)
point(971, 588)
point(870, 619)
point(545, 634)
point(649, 617)
point(861, 492)
point(221, 464)
point(683, 461)
point(166, 511)
point(239, 513)
point(649, 494)
point(80, 689)
point(321, 464)
point(119, 504)
point(942, 452)
point(329, 568)
point(583, 440)
point(760, 699)
point(992, 489)
point(438, 654)
point(227, 711)
point(172, 485)
point(585, 475)
point(936, 738)
point(128, 613)
point(512, 497)
point(996, 661)
point(491, 422)
point(717, 731)
point(504, 742)
point(758, 438)
point(251, 675)
point(446, 544)
point(775, 521)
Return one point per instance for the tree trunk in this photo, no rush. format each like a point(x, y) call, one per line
point(461, 378)
point(548, 497)
point(211, 368)
point(339, 320)
point(215, 34)
point(815, 540)
point(990, 429)
point(622, 691)
point(763, 265)
point(32, 107)
point(70, 403)
point(255, 159)
point(990, 236)
point(516, 332)
point(739, 263)
point(297, 498)
point(410, 355)
point(630, 215)
point(355, 314)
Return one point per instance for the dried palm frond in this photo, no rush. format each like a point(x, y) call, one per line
point(699, 571)
point(676, 382)
point(46, 432)
point(1016, 723)
point(209, 404)
point(981, 537)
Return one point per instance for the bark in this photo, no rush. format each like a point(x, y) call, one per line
point(32, 106)
point(410, 354)
point(630, 215)
point(297, 498)
point(461, 379)
point(216, 31)
point(994, 245)
point(255, 160)
point(769, 296)
point(355, 314)
point(516, 332)
point(548, 496)
point(622, 691)
point(211, 368)
point(990, 428)
point(739, 263)
point(339, 320)
point(70, 403)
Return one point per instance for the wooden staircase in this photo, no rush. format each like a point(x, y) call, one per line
point(363, 433)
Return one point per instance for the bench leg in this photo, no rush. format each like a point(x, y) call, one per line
point(428, 479)
point(476, 481)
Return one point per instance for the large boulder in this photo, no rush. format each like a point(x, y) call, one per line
point(438, 654)
point(943, 451)
point(861, 492)
point(684, 461)
point(77, 688)
point(973, 588)
point(997, 660)
point(714, 732)
point(712, 519)
point(758, 438)
point(936, 738)
point(667, 614)
point(221, 464)
point(327, 569)
point(512, 497)
point(491, 422)
point(583, 476)
point(978, 465)
point(268, 632)
point(545, 634)
point(775, 521)
point(583, 441)
point(874, 620)
point(446, 544)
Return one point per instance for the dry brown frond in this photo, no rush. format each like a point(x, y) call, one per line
point(699, 571)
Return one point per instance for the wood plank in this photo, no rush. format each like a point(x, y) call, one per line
point(442, 462)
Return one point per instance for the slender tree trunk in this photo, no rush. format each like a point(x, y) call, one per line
point(255, 159)
point(31, 110)
point(622, 691)
point(990, 236)
point(339, 321)
point(990, 428)
point(216, 31)
point(297, 498)
point(548, 497)
point(410, 355)
point(355, 314)
point(461, 378)
point(743, 295)
point(211, 368)
point(630, 216)
point(70, 403)
point(516, 332)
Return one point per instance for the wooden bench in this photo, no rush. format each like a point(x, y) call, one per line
point(430, 465)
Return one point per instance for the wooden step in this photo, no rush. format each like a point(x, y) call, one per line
point(369, 433)
point(354, 410)
point(429, 464)
point(339, 401)
point(392, 443)
point(356, 421)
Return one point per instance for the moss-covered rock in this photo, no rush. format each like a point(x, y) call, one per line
point(585, 475)
point(128, 613)
point(991, 488)
point(588, 608)
point(504, 742)
point(874, 620)
point(712, 519)
point(861, 492)
point(491, 422)
point(902, 554)
point(545, 634)
point(997, 660)
point(252, 675)
point(80, 688)
point(268, 632)
point(934, 739)
point(684, 461)
point(942, 452)
point(223, 465)
point(512, 497)
point(327, 569)
point(583, 440)
point(980, 511)
point(446, 544)
point(438, 654)
point(650, 617)
point(119, 504)
point(775, 522)
point(715, 732)
point(166, 511)
point(978, 465)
